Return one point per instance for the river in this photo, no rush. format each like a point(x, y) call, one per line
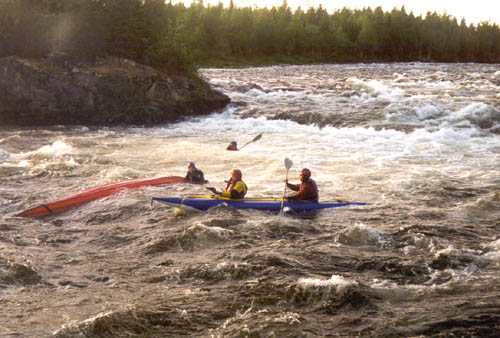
point(420, 143)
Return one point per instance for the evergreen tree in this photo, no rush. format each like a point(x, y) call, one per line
point(175, 37)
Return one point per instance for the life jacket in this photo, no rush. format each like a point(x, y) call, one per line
point(231, 147)
point(307, 191)
point(196, 176)
point(238, 191)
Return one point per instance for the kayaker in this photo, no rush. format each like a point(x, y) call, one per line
point(232, 146)
point(194, 175)
point(235, 187)
point(307, 189)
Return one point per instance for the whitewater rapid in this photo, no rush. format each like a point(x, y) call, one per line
point(419, 142)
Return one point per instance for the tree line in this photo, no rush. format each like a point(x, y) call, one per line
point(176, 38)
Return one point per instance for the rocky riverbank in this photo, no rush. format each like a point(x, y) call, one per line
point(108, 91)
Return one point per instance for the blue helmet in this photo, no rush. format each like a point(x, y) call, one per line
point(191, 164)
point(233, 143)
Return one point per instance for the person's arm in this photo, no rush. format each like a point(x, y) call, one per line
point(235, 191)
point(198, 177)
point(229, 188)
point(238, 191)
point(301, 195)
point(229, 184)
point(294, 187)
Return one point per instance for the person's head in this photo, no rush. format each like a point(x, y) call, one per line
point(305, 174)
point(191, 166)
point(236, 174)
point(233, 143)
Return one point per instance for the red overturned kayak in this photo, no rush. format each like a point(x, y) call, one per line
point(72, 201)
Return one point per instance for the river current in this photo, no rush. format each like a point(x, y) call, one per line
point(420, 143)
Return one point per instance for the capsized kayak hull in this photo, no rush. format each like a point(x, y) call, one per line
point(74, 200)
point(206, 202)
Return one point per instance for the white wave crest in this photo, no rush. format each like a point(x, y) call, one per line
point(374, 89)
point(202, 231)
point(58, 148)
point(361, 235)
point(394, 292)
point(475, 114)
point(339, 283)
point(468, 258)
point(494, 253)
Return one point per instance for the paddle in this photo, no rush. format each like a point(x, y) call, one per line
point(256, 138)
point(288, 165)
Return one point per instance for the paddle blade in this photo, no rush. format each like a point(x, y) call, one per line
point(212, 189)
point(288, 163)
point(256, 138)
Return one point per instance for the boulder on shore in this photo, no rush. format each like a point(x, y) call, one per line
point(109, 91)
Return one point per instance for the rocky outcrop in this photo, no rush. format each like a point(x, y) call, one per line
point(61, 90)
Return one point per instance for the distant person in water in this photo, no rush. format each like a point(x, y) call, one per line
point(194, 175)
point(232, 146)
point(235, 187)
point(307, 189)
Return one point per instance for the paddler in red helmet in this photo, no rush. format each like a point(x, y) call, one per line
point(307, 189)
point(235, 187)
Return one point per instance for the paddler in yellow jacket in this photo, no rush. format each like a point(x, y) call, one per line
point(235, 188)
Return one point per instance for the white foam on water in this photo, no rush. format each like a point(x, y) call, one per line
point(53, 155)
point(71, 163)
point(119, 173)
point(394, 292)
point(58, 148)
point(471, 259)
point(471, 116)
point(339, 283)
point(203, 231)
point(481, 207)
point(24, 164)
point(340, 158)
point(375, 90)
point(4, 155)
point(359, 235)
point(494, 251)
point(420, 242)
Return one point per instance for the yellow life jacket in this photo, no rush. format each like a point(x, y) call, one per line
point(238, 191)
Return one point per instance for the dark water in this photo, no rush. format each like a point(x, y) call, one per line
point(419, 142)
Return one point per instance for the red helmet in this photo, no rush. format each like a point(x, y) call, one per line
point(237, 174)
point(306, 173)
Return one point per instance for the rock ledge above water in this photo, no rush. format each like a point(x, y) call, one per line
point(61, 90)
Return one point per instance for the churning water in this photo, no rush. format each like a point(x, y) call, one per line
point(419, 142)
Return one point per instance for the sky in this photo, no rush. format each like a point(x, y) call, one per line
point(474, 11)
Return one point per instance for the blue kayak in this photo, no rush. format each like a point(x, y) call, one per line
point(205, 202)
